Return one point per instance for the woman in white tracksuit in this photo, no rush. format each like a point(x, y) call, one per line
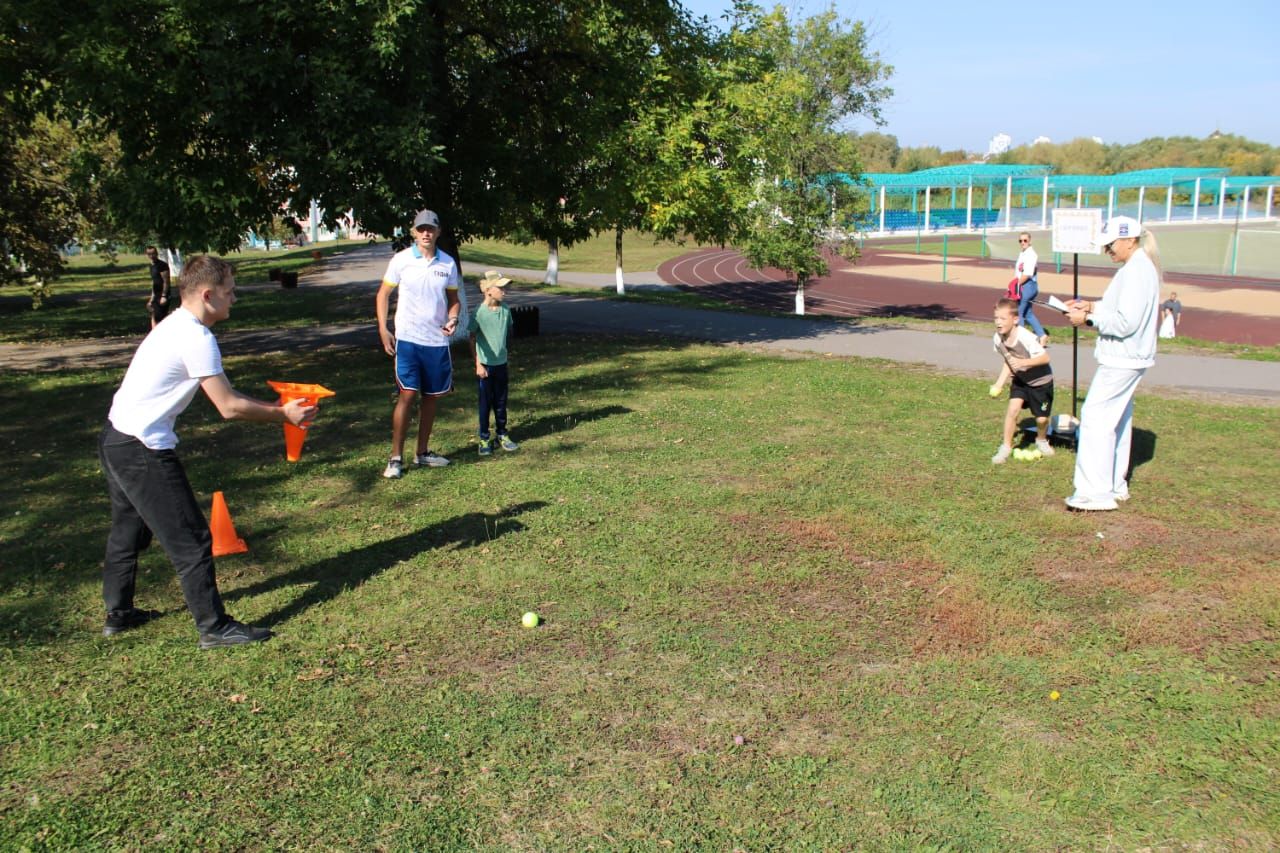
point(1127, 318)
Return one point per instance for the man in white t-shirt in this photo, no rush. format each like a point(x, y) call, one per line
point(149, 491)
point(426, 282)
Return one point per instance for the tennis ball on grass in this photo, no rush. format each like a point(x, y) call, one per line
point(530, 619)
point(1054, 695)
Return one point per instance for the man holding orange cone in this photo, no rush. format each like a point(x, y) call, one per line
point(149, 491)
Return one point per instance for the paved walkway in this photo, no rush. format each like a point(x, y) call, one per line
point(964, 353)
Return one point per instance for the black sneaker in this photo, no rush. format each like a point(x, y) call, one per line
point(233, 634)
point(123, 620)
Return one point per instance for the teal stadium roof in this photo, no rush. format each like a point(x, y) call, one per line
point(1031, 178)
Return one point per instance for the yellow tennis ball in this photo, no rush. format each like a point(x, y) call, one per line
point(530, 620)
point(1054, 695)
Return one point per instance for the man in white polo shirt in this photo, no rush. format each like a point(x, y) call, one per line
point(149, 491)
point(426, 281)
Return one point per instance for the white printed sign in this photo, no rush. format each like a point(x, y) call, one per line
point(1076, 231)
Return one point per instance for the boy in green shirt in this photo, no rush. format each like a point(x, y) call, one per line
point(489, 326)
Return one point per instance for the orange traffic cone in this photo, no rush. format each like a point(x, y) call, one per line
point(225, 540)
point(294, 436)
point(293, 439)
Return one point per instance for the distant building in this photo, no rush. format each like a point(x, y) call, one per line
point(1041, 140)
point(999, 144)
point(1097, 139)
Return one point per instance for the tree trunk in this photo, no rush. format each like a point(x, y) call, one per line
point(553, 262)
point(174, 258)
point(617, 265)
point(800, 298)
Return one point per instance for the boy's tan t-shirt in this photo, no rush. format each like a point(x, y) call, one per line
point(1024, 345)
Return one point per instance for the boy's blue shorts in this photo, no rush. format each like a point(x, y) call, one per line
point(423, 368)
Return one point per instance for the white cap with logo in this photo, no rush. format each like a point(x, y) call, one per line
point(1119, 227)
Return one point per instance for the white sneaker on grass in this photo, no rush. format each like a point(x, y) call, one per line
point(394, 469)
point(1042, 444)
point(1083, 504)
point(1002, 455)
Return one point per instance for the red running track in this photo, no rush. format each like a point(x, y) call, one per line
point(725, 274)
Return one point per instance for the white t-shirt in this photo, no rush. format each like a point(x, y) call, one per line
point(422, 307)
point(163, 377)
point(1026, 263)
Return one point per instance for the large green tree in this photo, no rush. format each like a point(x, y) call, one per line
point(490, 111)
point(824, 74)
point(47, 195)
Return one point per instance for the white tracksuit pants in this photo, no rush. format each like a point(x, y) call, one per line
point(1106, 433)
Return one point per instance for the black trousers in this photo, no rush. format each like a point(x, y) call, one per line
point(493, 398)
point(150, 494)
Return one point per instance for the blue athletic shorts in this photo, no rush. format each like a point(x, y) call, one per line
point(423, 368)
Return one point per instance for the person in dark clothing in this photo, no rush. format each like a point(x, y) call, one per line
point(158, 304)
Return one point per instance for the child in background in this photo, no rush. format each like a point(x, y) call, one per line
point(489, 327)
point(1026, 362)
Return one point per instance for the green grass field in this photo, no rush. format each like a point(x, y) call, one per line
point(800, 553)
point(640, 253)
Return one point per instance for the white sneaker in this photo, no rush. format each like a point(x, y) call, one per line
point(1083, 504)
point(1002, 455)
point(431, 460)
point(1122, 496)
point(394, 469)
point(1042, 444)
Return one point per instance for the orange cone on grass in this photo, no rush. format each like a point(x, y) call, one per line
point(294, 436)
point(225, 540)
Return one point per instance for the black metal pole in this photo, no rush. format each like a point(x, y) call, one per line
point(1075, 332)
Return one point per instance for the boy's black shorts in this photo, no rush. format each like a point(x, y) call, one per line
point(1037, 398)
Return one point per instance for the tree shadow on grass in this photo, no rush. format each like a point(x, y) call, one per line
point(332, 576)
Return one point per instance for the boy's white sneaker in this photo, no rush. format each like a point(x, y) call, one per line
point(1002, 455)
point(394, 469)
point(1042, 444)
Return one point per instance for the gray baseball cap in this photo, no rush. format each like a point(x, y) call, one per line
point(426, 217)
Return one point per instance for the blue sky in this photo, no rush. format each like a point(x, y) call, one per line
point(965, 71)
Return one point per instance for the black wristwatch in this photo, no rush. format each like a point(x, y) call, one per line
point(1088, 320)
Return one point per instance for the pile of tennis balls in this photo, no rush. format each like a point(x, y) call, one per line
point(1027, 454)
